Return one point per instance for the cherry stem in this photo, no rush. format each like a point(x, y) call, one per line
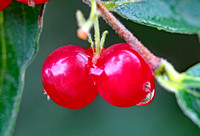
point(103, 38)
point(91, 42)
point(151, 59)
point(80, 18)
point(97, 37)
point(85, 26)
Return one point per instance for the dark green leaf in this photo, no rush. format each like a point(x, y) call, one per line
point(190, 104)
point(19, 33)
point(181, 16)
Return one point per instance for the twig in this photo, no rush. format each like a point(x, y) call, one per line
point(151, 59)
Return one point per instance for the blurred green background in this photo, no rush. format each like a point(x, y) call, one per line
point(163, 117)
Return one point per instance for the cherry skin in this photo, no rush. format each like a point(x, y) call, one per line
point(72, 76)
point(66, 77)
point(126, 78)
point(34, 2)
point(4, 4)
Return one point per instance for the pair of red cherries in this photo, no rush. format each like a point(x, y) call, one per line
point(72, 76)
point(5, 3)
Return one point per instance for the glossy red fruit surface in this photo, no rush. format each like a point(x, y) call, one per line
point(4, 4)
point(66, 77)
point(33, 2)
point(126, 78)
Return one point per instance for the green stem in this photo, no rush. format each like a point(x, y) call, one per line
point(80, 18)
point(91, 42)
point(103, 38)
point(171, 72)
point(168, 77)
point(97, 37)
point(93, 14)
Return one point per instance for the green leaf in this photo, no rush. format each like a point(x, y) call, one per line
point(181, 16)
point(192, 77)
point(190, 104)
point(185, 86)
point(19, 33)
point(194, 71)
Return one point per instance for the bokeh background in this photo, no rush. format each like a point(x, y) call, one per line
point(163, 117)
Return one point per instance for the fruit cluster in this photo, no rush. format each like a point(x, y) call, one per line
point(5, 3)
point(72, 76)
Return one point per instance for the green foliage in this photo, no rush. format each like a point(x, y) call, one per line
point(175, 16)
point(19, 33)
point(189, 99)
point(190, 104)
point(186, 86)
point(192, 77)
point(181, 16)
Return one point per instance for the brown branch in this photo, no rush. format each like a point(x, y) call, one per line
point(152, 60)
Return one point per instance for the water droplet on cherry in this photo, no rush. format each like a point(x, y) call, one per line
point(148, 98)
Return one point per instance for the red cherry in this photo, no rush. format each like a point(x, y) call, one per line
point(71, 76)
point(66, 77)
point(126, 79)
point(33, 2)
point(4, 4)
